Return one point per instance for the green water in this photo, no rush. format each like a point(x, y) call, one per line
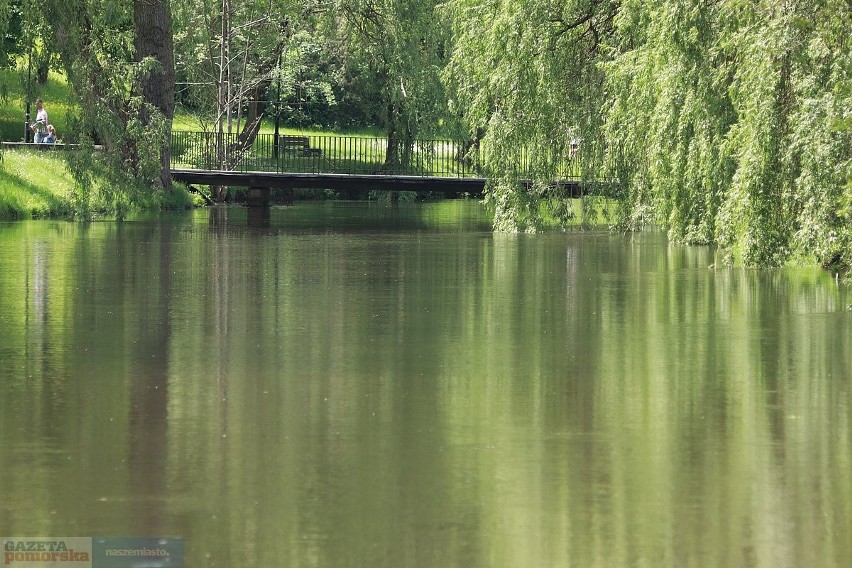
point(354, 385)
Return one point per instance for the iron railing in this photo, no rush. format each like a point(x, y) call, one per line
point(318, 154)
point(323, 154)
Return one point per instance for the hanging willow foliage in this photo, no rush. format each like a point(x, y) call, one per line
point(525, 76)
point(724, 122)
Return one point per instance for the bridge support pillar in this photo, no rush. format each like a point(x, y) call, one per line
point(259, 217)
point(258, 197)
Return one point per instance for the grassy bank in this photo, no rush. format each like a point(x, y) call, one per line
point(38, 184)
point(35, 185)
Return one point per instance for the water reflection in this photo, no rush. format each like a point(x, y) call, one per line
point(399, 387)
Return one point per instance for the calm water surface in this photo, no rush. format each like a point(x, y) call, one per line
point(373, 386)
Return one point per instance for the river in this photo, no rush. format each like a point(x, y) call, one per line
point(366, 385)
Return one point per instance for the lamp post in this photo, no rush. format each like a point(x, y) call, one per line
point(28, 96)
point(277, 111)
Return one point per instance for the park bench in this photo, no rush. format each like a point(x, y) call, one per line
point(301, 144)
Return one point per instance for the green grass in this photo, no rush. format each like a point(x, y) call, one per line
point(13, 103)
point(35, 185)
point(186, 122)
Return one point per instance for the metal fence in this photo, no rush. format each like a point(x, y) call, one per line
point(323, 154)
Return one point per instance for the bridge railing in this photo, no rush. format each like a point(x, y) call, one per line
point(323, 154)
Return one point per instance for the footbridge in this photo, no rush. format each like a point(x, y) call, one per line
point(343, 163)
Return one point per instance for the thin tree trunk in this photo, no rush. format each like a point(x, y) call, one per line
point(251, 128)
point(223, 102)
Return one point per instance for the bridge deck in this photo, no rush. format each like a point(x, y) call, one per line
point(354, 182)
point(357, 182)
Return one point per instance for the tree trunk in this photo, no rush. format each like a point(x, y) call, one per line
point(43, 69)
point(251, 128)
point(392, 150)
point(153, 38)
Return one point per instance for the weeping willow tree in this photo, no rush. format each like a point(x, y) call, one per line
point(668, 117)
point(724, 122)
point(524, 76)
point(729, 121)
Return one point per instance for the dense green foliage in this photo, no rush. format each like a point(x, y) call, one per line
point(524, 76)
point(399, 44)
point(727, 119)
point(724, 122)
